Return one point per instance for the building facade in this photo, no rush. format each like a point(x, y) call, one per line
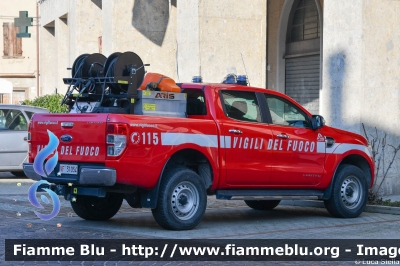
point(18, 62)
point(340, 58)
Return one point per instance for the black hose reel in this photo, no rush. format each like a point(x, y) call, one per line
point(96, 77)
point(126, 71)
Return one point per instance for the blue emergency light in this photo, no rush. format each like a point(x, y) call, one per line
point(230, 79)
point(233, 79)
point(197, 79)
point(242, 80)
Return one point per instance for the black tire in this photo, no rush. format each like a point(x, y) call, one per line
point(262, 205)
point(182, 200)
point(349, 193)
point(97, 209)
point(18, 174)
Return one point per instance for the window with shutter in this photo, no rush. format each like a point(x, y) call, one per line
point(5, 39)
point(11, 44)
point(305, 22)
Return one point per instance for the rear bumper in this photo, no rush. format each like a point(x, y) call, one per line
point(87, 175)
point(29, 172)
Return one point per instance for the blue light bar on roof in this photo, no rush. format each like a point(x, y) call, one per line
point(197, 79)
point(242, 80)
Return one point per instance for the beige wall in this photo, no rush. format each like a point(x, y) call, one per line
point(229, 30)
point(80, 23)
point(25, 65)
point(63, 50)
point(361, 73)
point(51, 55)
point(381, 64)
point(48, 59)
point(214, 40)
point(178, 40)
point(342, 64)
point(147, 28)
point(77, 27)
point(188, 40)
point(381, 78)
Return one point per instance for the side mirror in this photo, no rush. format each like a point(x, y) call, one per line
point(317, 122)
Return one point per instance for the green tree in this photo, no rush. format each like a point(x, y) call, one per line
point(52, 102)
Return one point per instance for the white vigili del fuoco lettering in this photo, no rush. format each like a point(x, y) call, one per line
point(78, 150)
point(291, 145)
point(247, 143)
point(276, 145)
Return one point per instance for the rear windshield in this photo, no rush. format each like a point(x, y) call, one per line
point(196, 104)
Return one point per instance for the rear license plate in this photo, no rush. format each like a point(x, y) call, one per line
point(69, 169)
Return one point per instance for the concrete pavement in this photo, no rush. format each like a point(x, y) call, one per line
point(222, 220)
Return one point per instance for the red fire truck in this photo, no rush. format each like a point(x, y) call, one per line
point(168, 149)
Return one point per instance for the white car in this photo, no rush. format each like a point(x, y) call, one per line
point(14, 121)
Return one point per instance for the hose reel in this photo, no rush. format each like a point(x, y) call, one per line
point(98, 78)
point(126, 71)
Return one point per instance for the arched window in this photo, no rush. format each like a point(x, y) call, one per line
point(302, 54)
point(304, 22)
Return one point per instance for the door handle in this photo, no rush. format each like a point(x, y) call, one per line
point(235, 131)
point(282, 136)
point(25, 138)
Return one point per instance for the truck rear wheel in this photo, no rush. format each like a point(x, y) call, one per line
point(262, 205)
point(97, 209)
point(181, 201)
point(349, 193)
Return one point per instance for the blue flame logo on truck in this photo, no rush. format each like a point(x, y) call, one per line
point(44, 153)
point(44, 169)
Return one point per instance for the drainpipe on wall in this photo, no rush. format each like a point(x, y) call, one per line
point(266, 67)
point(37, 50)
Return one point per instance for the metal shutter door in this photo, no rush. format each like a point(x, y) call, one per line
point(302, 81)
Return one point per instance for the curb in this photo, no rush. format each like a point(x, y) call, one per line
point(320, 204)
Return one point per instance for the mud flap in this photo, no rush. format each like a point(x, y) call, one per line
point(149, 197)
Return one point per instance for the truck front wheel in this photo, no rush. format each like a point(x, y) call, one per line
point(97, 209)
point(181, 201)
point(349, 193)
point(262, 205)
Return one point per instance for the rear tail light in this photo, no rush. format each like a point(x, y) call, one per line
point(29, 141)
point(116, 139)
point(29, 130)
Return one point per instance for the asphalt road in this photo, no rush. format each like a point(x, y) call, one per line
point(222, 220)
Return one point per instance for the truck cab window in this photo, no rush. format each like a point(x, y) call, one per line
point(285, 113)
point(241, 105)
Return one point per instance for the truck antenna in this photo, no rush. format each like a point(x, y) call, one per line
point(245, 70)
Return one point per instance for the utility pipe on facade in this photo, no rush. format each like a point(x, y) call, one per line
point(37, 50)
